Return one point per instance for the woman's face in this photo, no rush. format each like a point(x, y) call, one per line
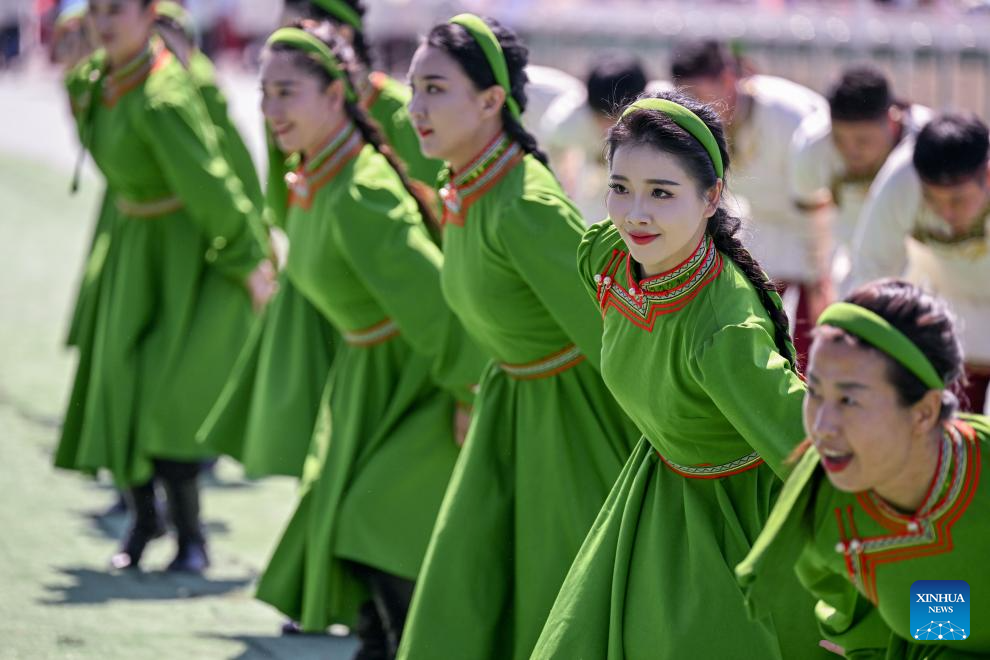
point(448, 112)
point(300, 111)
point(122, 27)
point(657, 207)
point(856, 420)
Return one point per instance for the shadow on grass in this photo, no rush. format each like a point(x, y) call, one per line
point(296, 647)
point(86, 586)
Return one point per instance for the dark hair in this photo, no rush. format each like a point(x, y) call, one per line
point(366, 126)
point(861, 94)
point(457, 42)
point(658, 130)
point(925, 320)
point(701, 58)
point(951, 149)
point(614, 82)
point(311, 9)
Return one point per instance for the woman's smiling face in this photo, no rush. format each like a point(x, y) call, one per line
point(657, 206)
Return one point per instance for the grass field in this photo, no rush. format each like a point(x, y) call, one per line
point(57, 599)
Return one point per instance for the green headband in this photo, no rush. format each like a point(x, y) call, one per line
point(880, 334)
point(687, 120)
point(485, 38)
point(342, 11)
point(178, 14)
point(304, 41)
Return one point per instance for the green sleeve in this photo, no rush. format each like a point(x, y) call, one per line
point(231, 143)
point(592, 255)
point(276, 190)
point(755, 388)
point(540, 233)
point(177, 128)
point(382, 234)
point(845, 616)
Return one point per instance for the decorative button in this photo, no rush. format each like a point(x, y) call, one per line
point(632, 292)
point(607, 280)
point(840, 547)
point(598, 277)
point(211, 255)
point(913, 526)
point(219, 243)
point(855, 545)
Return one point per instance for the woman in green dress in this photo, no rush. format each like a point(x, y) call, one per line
point(887, 488)
point(547, 439)
point(697, 349)
point(174, 301)
point(385, 442)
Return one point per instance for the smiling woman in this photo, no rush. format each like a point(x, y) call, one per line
point(901, 501)
point(696, 349)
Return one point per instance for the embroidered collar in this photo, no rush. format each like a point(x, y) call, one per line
point(643, 301)
point(925, 533)
point(122, 79)
point(484, 171)
point(338, 150)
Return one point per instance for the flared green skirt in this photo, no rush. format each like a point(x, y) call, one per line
point(655, 577)
point(377, 469)
point(266, 413)
point(167, 331)
point(537, 465)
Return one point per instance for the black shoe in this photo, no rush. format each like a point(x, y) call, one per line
point(146, 526)
point(191, 558)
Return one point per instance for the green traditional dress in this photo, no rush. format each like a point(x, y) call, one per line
point(690, 353)
point(859, 556)
point(384, 447)
point(547, 440)
point(171, 310)
point(266, 414)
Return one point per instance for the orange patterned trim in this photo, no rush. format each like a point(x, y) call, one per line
point(377, 80)
point(134, 74)
point(150, 209)
point(550, 365)
point(378, 333)
point(709, 471)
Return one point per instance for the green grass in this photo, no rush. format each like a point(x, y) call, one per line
point(57, 599)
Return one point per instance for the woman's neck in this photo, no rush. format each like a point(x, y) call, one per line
point(475, 146)
point(319, 143)
point(907, 491)
point(117, 61)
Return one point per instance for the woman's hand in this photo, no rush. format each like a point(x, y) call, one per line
point(261, 285)
point(462, 422)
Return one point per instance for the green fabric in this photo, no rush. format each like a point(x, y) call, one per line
point(541, 454)
point(488, 42)
point(299, 39)
point(803, 533)
point(383, 449)
point(171, 309)
point(687, 120)
point(83, 316)
point(229, 137)
point(879, 333)
point(707, 386)
point(266, 414)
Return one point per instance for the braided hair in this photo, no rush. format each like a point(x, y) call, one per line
point(365, 125)
point(659, 131)
point(457, 42)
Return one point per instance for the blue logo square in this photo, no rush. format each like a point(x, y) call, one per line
point(940, 610)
